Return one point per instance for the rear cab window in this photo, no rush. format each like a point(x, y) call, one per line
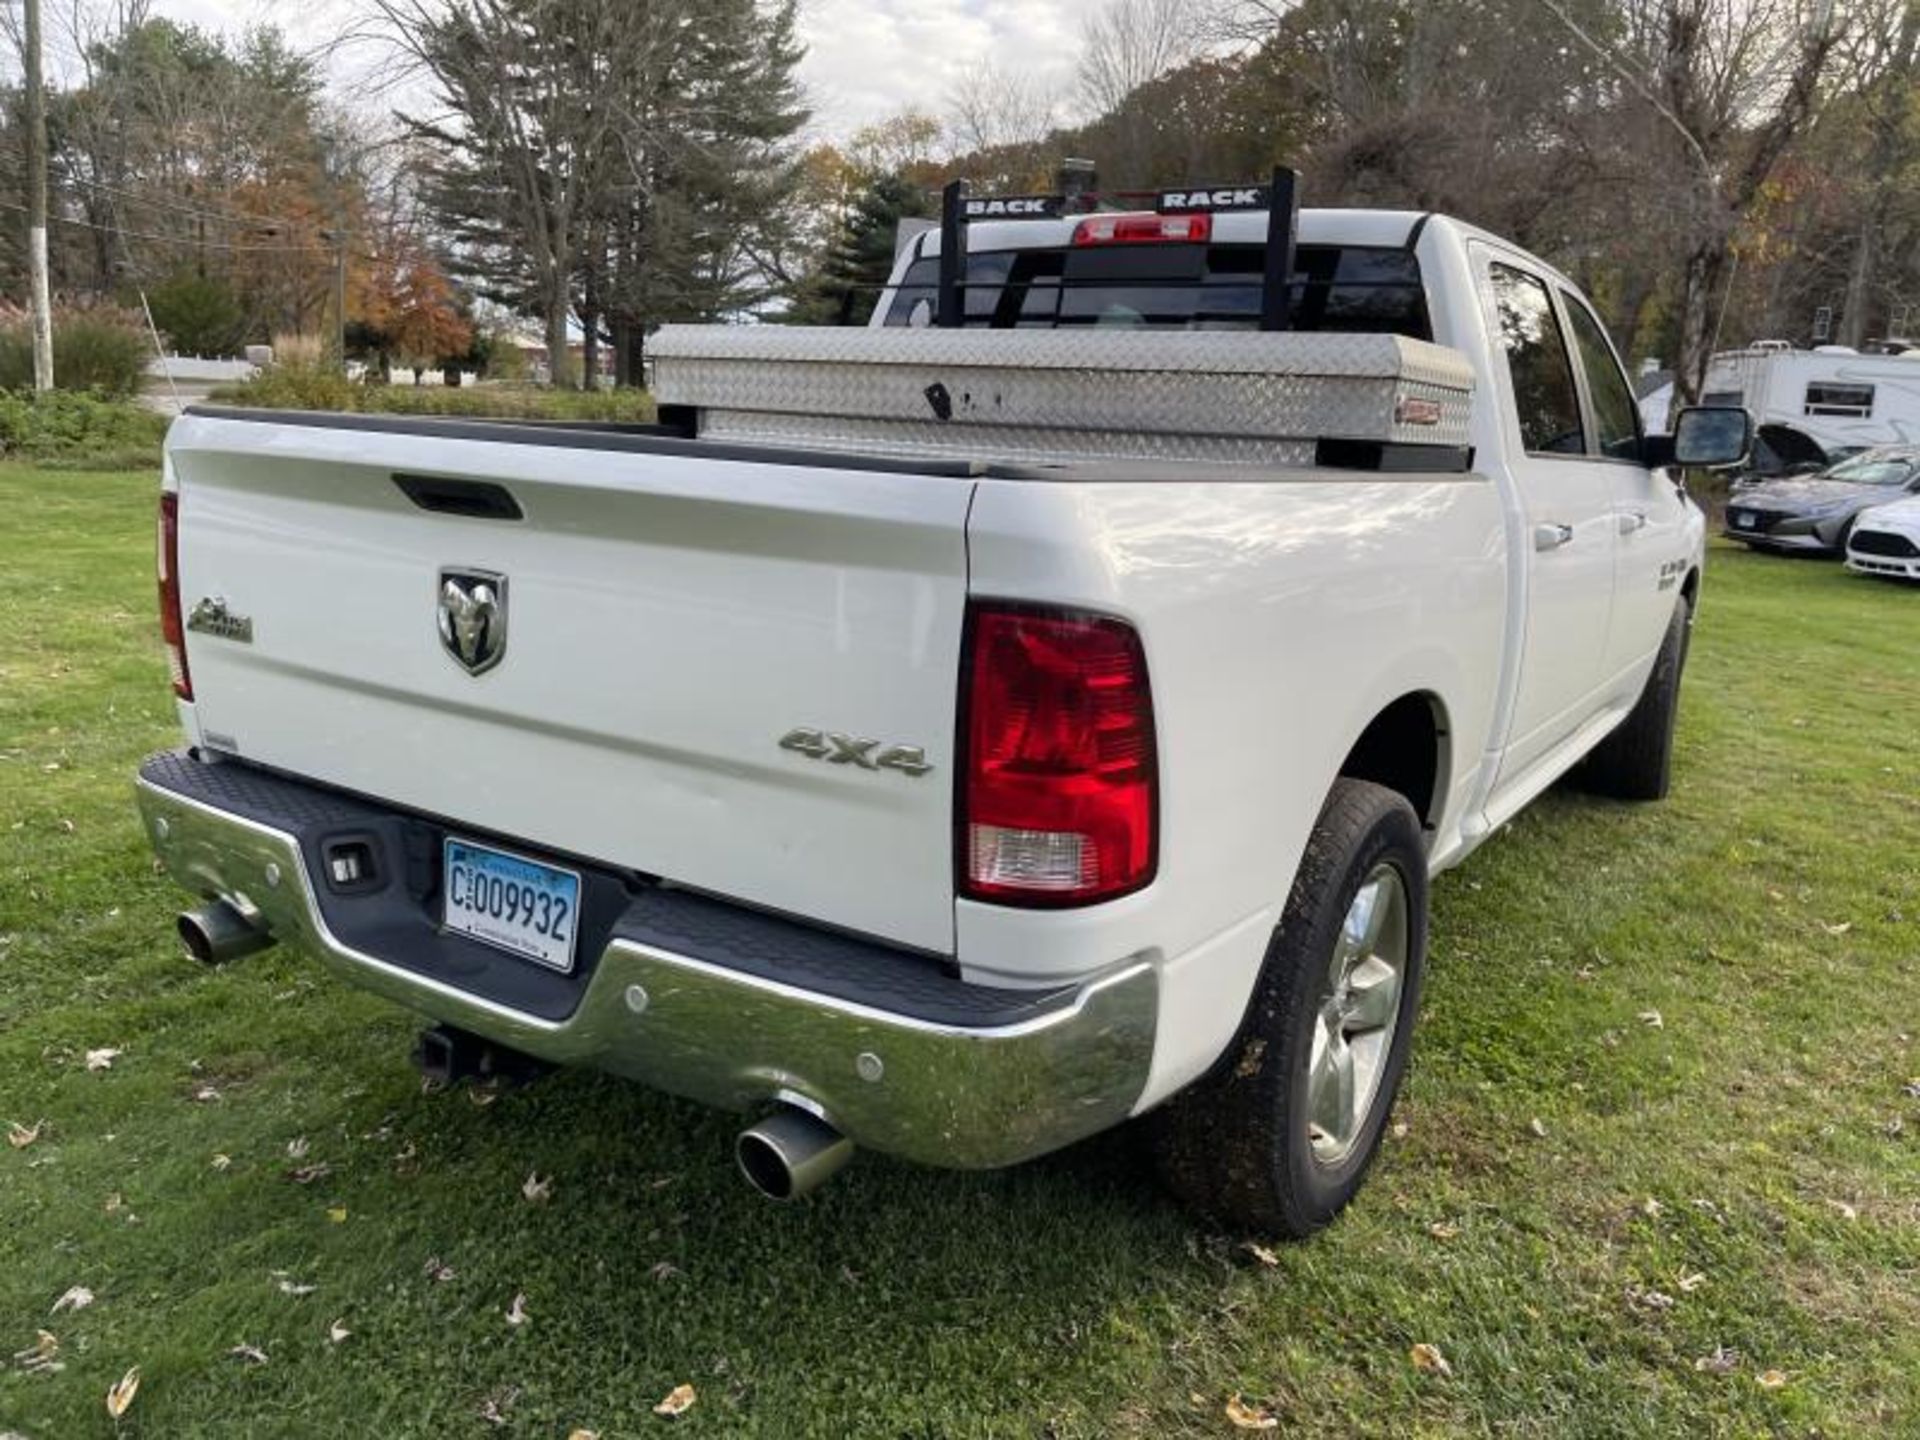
point(1354, 288)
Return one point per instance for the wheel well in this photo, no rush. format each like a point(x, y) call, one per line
point(1403, 748)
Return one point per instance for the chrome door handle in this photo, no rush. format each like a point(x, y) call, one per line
point(1632, 520)
point(1552, 537)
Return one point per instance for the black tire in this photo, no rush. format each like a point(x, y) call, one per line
point(1235, 1145)
point(1635, 762)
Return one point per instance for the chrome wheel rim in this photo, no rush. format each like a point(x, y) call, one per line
point(1358, 1012)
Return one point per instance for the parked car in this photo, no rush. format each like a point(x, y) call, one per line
point(956, 737)
point(1886, 541)
point(1814, 515)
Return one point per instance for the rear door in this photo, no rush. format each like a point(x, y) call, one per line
point(1568, 505)
point(667, 618)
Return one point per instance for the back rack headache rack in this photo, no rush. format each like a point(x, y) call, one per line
point(1279, 197)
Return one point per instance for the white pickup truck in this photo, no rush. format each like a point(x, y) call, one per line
point(954, 737)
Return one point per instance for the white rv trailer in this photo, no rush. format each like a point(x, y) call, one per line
point(1837, 395)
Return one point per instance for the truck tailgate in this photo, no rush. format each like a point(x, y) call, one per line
point(670, 617)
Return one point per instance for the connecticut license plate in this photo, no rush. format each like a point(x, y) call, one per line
point(519, 905)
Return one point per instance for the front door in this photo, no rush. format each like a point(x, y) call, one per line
point(1569, 533)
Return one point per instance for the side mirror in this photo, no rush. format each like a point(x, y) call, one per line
point(1712, 437)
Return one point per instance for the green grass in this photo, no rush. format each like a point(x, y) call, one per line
point(1767, 912)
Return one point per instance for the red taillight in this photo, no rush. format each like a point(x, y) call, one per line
point(1144, 230)
point(167, 566)
point(1058, 786)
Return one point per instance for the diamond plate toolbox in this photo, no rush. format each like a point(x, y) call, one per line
point(1235, 397)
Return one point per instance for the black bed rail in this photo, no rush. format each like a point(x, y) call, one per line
point(1279, 197)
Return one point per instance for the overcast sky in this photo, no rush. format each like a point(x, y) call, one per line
point(866, 59)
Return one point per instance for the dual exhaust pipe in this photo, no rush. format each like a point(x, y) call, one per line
point(789, 1154)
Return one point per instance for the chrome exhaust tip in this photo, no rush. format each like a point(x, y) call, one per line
point(217, 933)
point(791, 1154)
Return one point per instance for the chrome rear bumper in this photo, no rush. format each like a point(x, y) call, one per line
point(932, 1091)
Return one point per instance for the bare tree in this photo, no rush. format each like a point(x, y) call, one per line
point(1131, 42)
point(996, 109)
point(1735, 83)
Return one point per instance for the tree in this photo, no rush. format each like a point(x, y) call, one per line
point(860, 257)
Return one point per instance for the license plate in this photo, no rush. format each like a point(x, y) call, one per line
point(1744, 522)
point(510, 902)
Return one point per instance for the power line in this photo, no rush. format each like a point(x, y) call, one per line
point(186, 240)
point(222, 215)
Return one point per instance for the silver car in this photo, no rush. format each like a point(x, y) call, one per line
point(1816, 513)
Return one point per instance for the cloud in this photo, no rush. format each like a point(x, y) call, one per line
point(866, 59)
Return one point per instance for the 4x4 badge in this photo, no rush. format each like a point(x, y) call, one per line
point(837, 749)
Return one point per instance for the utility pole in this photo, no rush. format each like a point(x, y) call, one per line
point(38, 297)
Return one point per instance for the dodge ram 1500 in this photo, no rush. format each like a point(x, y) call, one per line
point(1041, 708)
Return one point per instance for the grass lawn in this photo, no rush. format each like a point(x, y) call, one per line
point(1665, 1106)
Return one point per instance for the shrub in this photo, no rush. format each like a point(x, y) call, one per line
point(198, 314)
point(298, 352)
point(68, 430)
point(99, 348)
point(286, 388)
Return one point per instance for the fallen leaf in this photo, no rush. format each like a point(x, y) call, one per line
point(113, 1204)
point(1691, 1283)
point(1842, 928)
point(517, 1311)
point(1399, 1130)
point(1539, 1130)
point(437, 1271)
point(42, 1357)
point(536, 1190)
point(205, 1093)
point(583, 1435)
point(307, 1174)
point(77, 1298)
point(678, 1401)
point(1847, 1212)
point(336, 1332)
point(1651, 1206)
point(252, 1354)
point(1249, 1417)
point(288, 1287)
point(666, 1270)
point(121, 1395)
point(103, 1059)
point(1428, 1357)
point(221, 1162)
point(1721, 1362)
point(297, 1148)
point(1443, 1230)
point(337, 1214)
point(20, 1136)
point(494, 1408)
point(1650, 1299)
point(1262, 1254)
point(1771, 1379)
point(1652, 1019)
